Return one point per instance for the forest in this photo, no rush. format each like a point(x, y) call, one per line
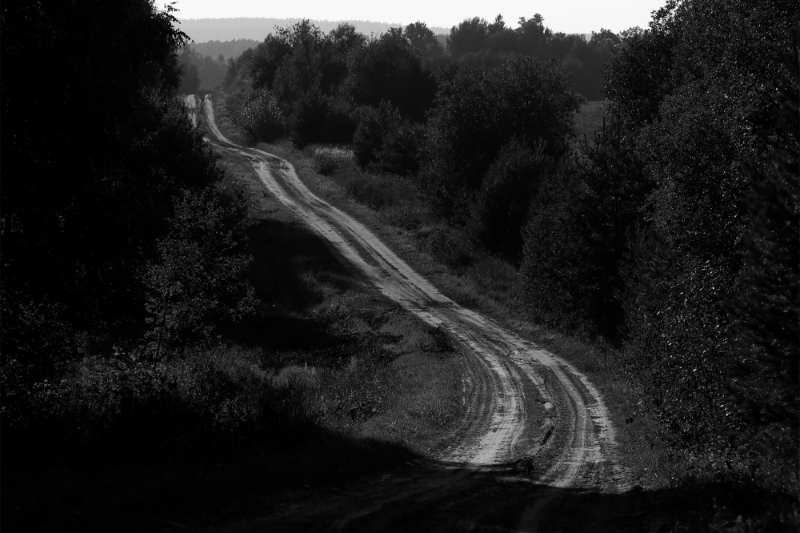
point(669, 240)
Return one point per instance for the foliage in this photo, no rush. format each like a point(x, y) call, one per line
point(86, 197)
point(478, 43)
point(501, 205)
point(476, 113)
point(259, 116)
point(424, 41)
point(331, 160)
point(196, 283)
point(319, 118)
point(200, 72)
point(577, 242)
point(384, 141)
point(110, 410)
point(390, 69)
point(767, 311)
point(190, 76)
point(676, 234)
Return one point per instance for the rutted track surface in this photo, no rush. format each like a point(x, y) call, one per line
point(525, 403)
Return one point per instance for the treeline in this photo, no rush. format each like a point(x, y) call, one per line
point(121, 243)
point(226, 49)
point(473, 43)
point(200, 72)
point(226, 29)
point(481, 43)
point(671, 238)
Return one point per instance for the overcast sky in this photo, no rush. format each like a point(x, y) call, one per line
point(568, 16)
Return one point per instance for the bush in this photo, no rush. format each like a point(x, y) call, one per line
point(123, 406)
point(477, 112)
point(197, 281)
point(329, 160)
point(385, 142)
point(321, 119)
point(260, 116)
point(447, 245)
point(370, 191)
point(502, 203)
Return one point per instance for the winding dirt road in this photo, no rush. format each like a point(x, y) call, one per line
point(528, 409)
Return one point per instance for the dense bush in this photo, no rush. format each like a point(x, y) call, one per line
point(502, 203)
point(317, 118)
point(478, 112)
point(259, 116)
point(109, 213)
point(448, 245)
point(577, 241)
point(331, 160)
point(390, 69)
point(124, 408)
point(197, 281)
point(676, 234)
point(87, 197)
point(478, 43)
point(386, 142)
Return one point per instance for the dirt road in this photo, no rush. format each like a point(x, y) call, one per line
point(529, 411)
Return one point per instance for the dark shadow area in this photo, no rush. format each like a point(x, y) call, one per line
point(431, 498)
point(190, 490)
point(294, 270)
point(228, 447)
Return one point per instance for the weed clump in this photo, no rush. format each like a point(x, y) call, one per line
point(329, 161)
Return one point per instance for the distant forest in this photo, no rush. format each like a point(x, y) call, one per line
point(473, 43)
point(226, 49)
point(227, 29)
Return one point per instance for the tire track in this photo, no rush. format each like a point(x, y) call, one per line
point(574, 443)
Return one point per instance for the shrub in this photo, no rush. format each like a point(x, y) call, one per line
point(197, 282)
point(320, 118)
point(122, 406)
point(370, 191)
point(477, 112)
point(385, 142)
point(502, 203)
point(329, 160)
point(260, 116)
point(447, 245)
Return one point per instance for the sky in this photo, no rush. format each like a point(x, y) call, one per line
point(568, 16)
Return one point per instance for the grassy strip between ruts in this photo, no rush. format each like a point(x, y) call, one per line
point(393, 208)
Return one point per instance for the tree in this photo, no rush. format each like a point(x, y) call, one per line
point(386, 142)
point(389, 68)
point(423, 40)
point(477, 112)
point(501, 205)
point(190, 79)
point(577, 241)
point(196, 282)
point(85, 197)
point(767, 313)
point(469, 36)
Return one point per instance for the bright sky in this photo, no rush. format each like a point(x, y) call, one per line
point(568, 16)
